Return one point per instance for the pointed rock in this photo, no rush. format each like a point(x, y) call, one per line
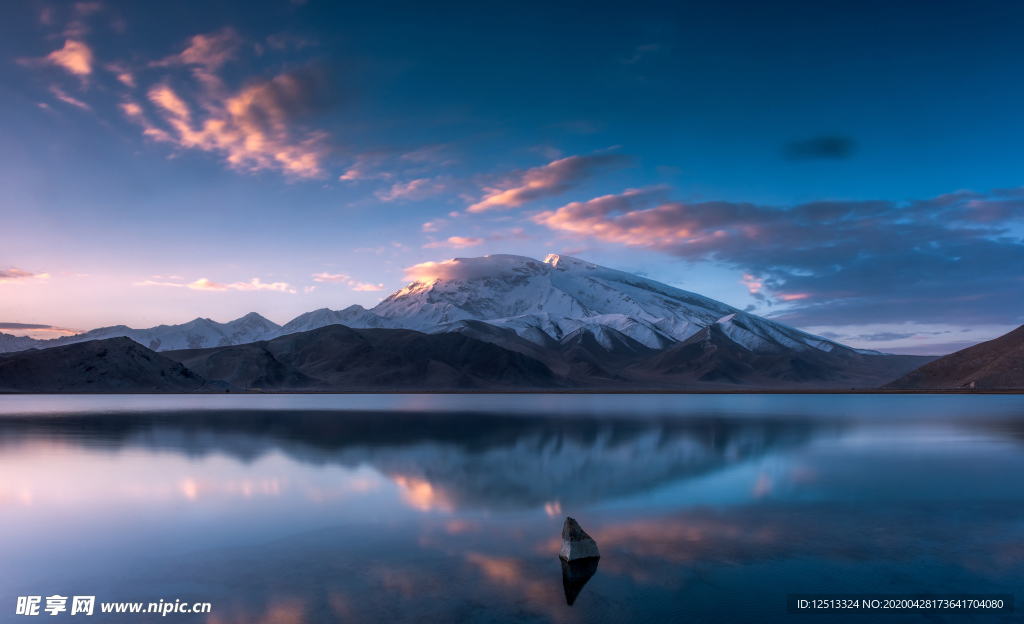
point(576, 544)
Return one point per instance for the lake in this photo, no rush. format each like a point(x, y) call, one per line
point(413, 508)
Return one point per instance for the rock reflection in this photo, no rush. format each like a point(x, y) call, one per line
point(575, 575)
point(448, 462)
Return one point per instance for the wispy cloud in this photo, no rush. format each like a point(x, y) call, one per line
point(412, 191)
point(17, 276)
point(32, 327)
point(456, 242)
point(255, 128)
point(327, 277)
point(550, 180)
point(952, 258)
point(207, 284)
point(67, 99)
point(123, 74)
point(341, 278)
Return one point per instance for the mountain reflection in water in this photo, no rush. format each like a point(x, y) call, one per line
point(301, 516)
point(460, 461)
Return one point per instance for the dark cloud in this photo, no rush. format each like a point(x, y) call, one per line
point(25, 326)
point(823, 147)
point(953, 259)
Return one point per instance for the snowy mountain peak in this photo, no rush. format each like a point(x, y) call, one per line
point(568, 263)
point(540, 302)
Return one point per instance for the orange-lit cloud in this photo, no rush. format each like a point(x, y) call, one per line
point(133, 111)
point(456, 242)
point(75, 58)
point(550, 180)
point(456, 269)
point(429, 271)
point(256, 128)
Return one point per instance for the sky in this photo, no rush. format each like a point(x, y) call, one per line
point(854, 169)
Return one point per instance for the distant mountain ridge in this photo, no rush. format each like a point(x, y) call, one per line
point(586, 323)
point(555, 298)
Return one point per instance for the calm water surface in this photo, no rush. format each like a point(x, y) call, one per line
point(292, 509)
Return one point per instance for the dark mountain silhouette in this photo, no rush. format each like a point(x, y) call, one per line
point(340, 358)
point(994, 365)
point(104, 366)
point(711, 356)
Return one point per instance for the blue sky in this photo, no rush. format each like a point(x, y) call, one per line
point(853, 169)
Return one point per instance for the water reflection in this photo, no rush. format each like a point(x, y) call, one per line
point(377, 516)
point(440, 461)
point(575, 575)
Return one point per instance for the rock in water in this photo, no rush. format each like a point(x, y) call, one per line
point(576, 544)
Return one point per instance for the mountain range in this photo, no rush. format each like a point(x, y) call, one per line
point(589, 326)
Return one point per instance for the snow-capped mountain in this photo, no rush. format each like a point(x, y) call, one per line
point(559, 296)
point(355, 316)
point(541, 302)
point(195, 334)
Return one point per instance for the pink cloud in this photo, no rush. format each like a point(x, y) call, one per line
point(433, 226)
point(414, 190)
point(209, 51)
point(362, 286)
point(456, 242)
point(123, 74)
point(752, 283)
point(255, 128)
point(133, 111)
point(75, 57)
point(550, 180)
point(327, 277)
point(67, 99)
